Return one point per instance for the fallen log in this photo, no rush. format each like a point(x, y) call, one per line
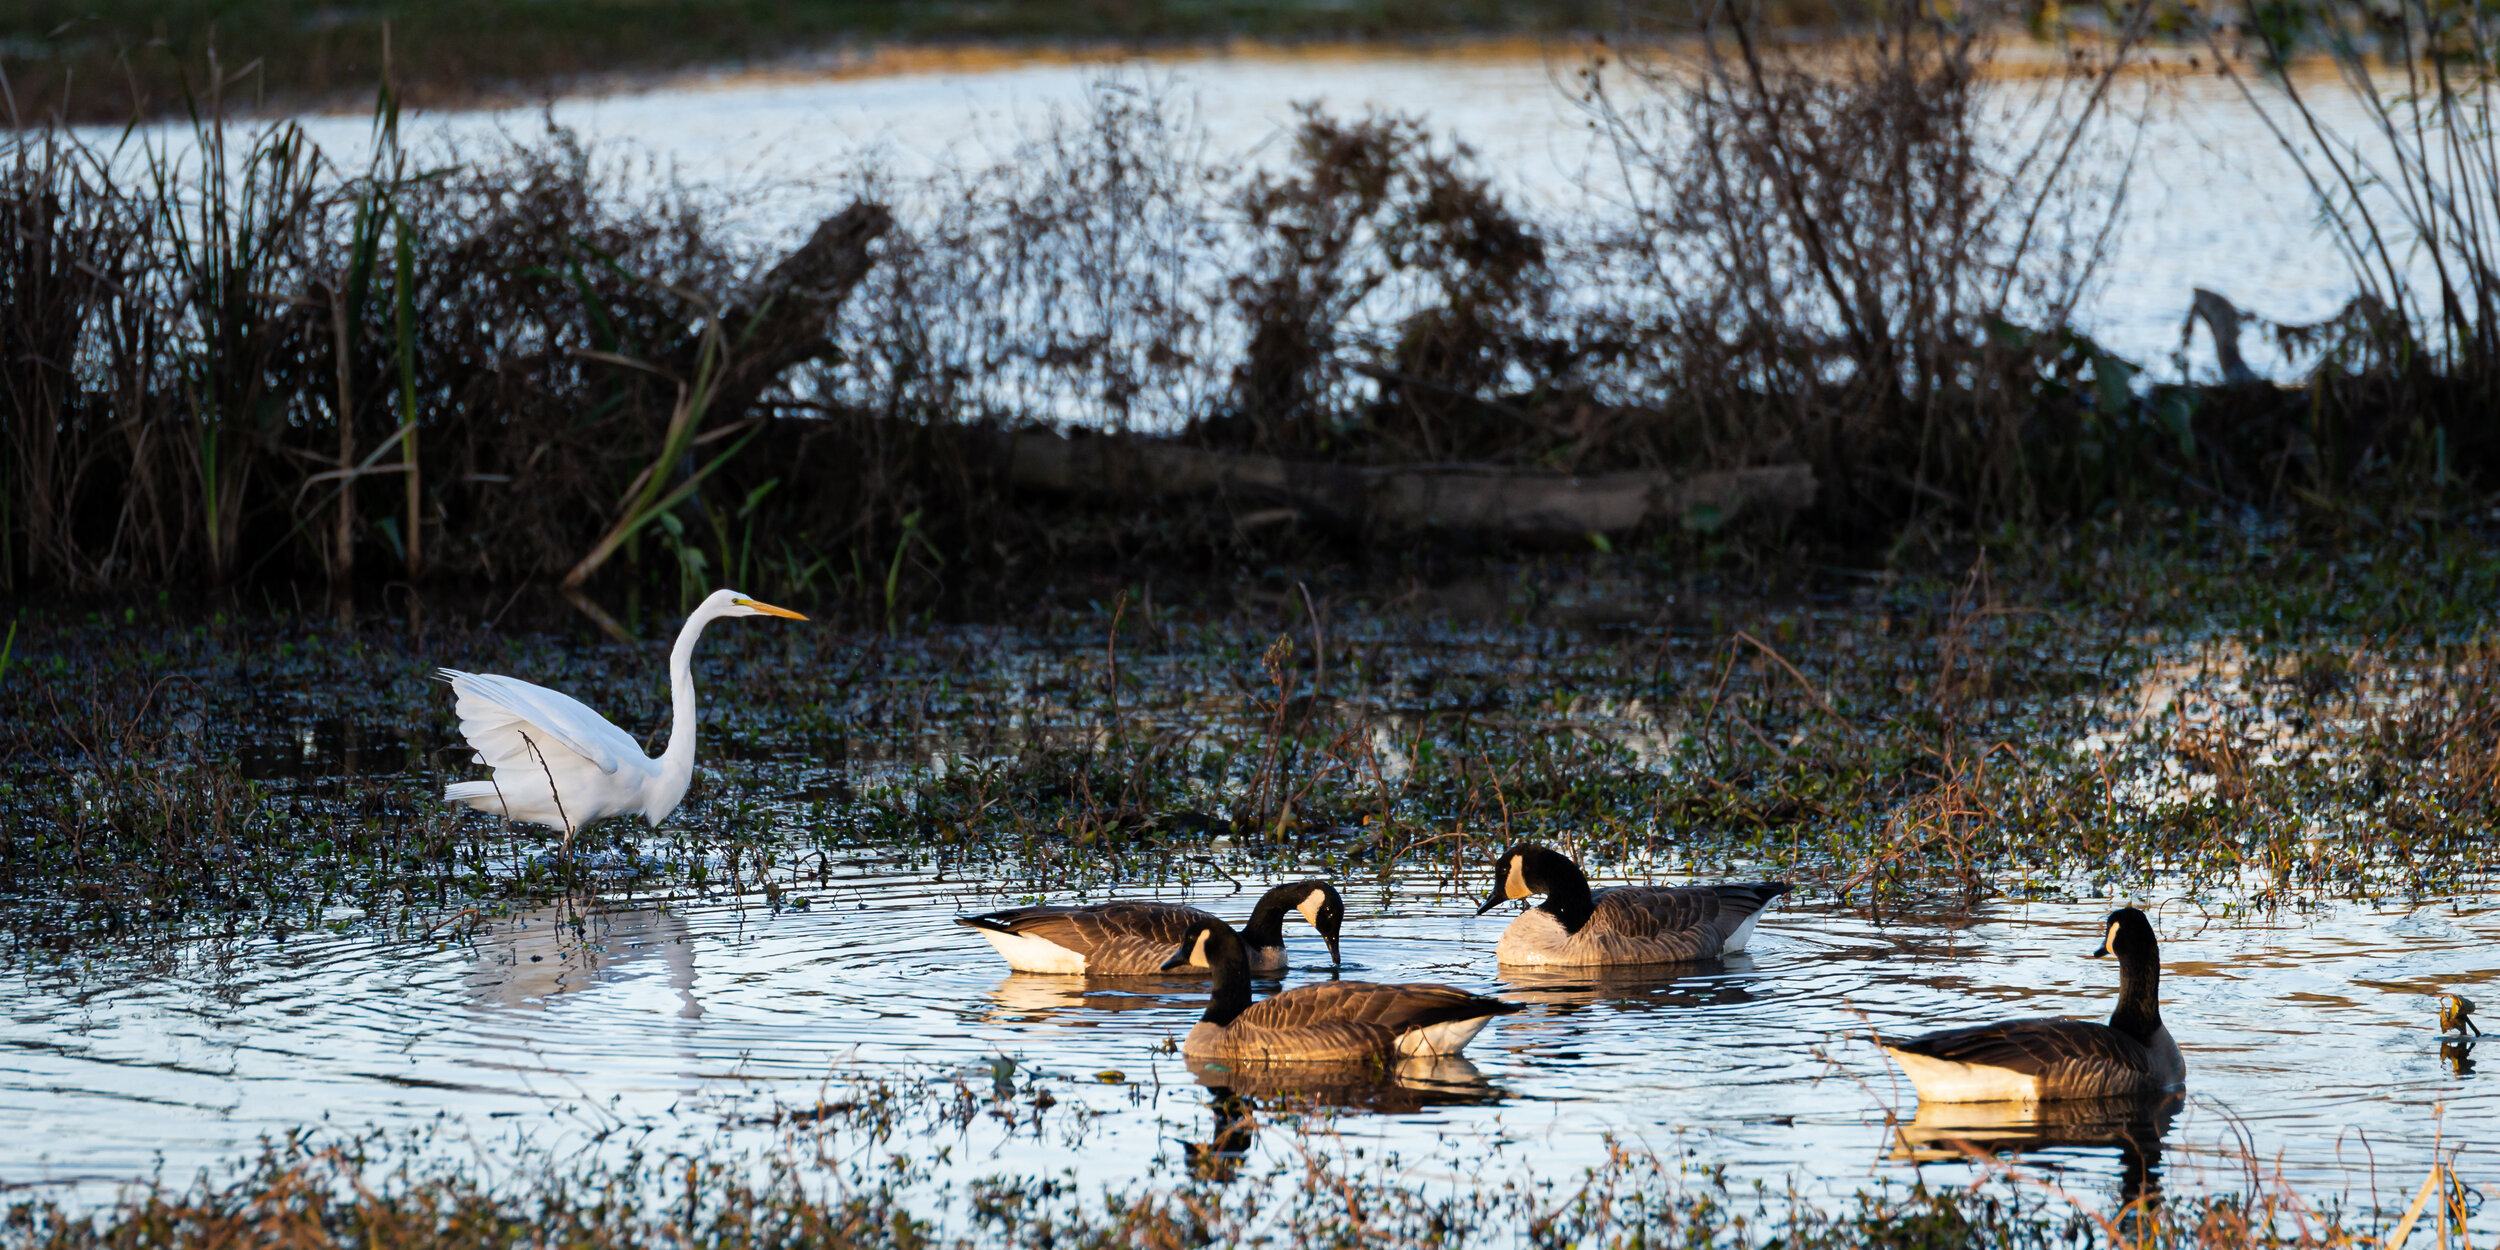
point(720, 369)
point(1486, 498)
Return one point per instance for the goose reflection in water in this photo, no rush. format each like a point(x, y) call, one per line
point(1722, 982)
point(534, 958)
point(2133, 1127)
point(1079, 1002)
point(1238, 1093)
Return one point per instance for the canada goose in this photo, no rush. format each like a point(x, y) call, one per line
point(1622, 924)
point(2051, 1057)
point(1132, 939)
point(1332, 1022)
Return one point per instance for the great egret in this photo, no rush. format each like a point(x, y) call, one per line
point(559, 764)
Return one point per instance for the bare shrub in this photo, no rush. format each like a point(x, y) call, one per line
point(2413, 206)
point(1377, 243)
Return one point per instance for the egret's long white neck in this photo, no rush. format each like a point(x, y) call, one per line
point(677, 762)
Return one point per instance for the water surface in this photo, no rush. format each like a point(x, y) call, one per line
point(2309, 1041)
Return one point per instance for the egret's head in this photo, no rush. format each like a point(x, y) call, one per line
point(731, 603)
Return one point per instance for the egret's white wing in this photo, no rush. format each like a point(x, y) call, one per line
point(496, 711)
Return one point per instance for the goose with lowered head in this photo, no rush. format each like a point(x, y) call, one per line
point(1135, 938)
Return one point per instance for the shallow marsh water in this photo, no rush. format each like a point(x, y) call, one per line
point(841, 1010)
point(695, 1026)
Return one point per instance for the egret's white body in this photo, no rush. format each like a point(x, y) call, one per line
point(559, 764)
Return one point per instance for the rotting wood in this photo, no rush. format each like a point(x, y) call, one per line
point(787, 316)
point(2222, 321)
point(726, 364)
point(1485, 498)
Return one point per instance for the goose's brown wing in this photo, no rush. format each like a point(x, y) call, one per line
point(2064, 1054)
point(1116, 939)
point(1397, 1008)
point(1651, 922)
point(1338, 1021)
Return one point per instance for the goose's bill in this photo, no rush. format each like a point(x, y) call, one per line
point(2101, 950)
point(1335, 960)
point(769, 610)
point(1179, 959)
point(1493, 902)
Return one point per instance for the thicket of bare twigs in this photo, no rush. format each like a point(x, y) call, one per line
point(229, 359)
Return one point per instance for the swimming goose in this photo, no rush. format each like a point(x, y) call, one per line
point(1621, 924)
point(1331, 1022)
point(1129, 939)
point(2050, 1057)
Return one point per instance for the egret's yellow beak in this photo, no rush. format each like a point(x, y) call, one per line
point(769, 610)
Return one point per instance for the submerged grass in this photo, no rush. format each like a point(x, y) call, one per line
point(2184, 700)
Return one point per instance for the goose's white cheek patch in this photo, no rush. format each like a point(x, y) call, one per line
point(1517, 885)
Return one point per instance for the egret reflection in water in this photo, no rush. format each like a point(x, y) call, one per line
point(534, 958)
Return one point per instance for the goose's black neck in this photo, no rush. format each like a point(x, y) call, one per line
point(2139, 995)
point(1267, 920)
point(1230, 970)
point(1567, 896)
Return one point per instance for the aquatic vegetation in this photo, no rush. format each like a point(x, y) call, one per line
point(822, 1189)
point(2023, 729)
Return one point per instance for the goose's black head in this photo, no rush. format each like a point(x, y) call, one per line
point(1206, 944)
point(2129, 936)
point(1318, 902)
point(1325, 909)
point(1212, 944)
point(1527, 870)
